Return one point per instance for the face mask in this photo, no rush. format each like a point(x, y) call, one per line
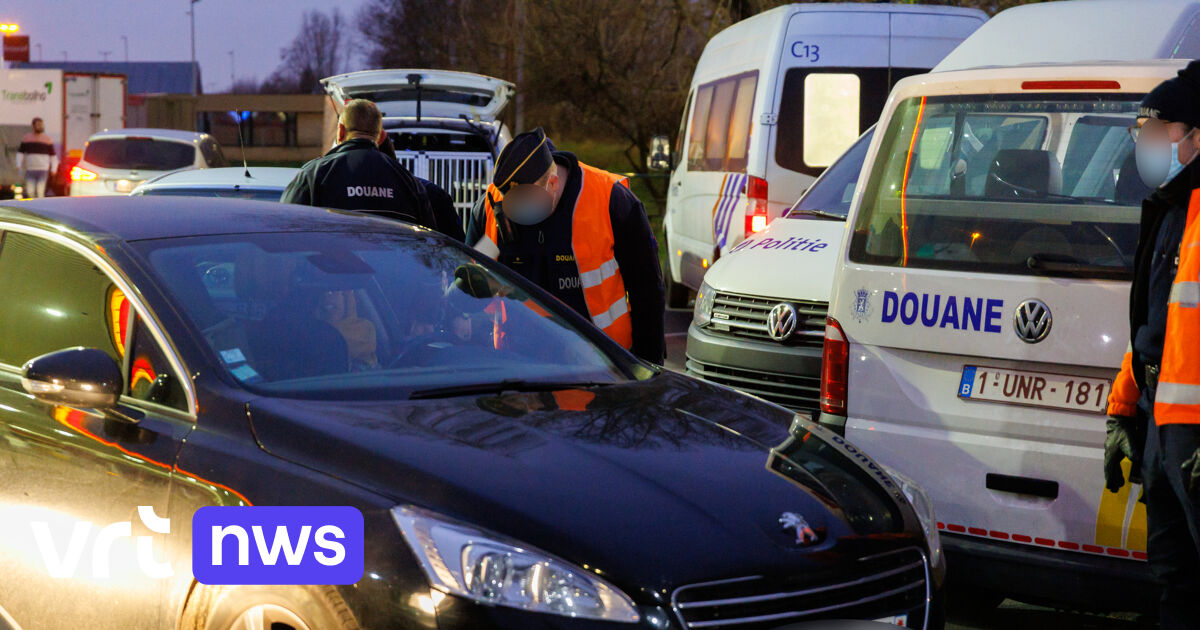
point(1158, 163)
point(530, 211)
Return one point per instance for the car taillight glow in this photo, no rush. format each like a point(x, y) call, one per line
point(81, 174)
point(756, 205)
point(835, 369)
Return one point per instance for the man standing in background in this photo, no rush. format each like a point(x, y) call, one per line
point(36, 157)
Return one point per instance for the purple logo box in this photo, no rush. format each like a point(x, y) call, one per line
point(268, 544)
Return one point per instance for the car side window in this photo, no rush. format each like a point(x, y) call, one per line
point(213, 156)
point(52, 298)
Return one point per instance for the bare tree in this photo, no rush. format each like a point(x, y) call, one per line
point(319, 50)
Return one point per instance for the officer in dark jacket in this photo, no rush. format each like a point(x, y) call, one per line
point(579, 233)
point(1158, 435)
point(354, 175)
point(444, 215)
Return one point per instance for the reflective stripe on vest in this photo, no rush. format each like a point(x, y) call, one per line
point(1177, 398)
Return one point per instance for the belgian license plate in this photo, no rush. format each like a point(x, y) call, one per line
point(1037, 389)
point(124, 185)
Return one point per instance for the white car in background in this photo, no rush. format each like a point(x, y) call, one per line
point(115, 161)
point(263, 183)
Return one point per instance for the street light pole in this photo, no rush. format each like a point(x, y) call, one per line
point(192, 16)
point(125, 42)
point(232, 75)
point(39, 47)
point(106, 53)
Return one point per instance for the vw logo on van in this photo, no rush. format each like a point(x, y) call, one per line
point(1032, 321)
point(781, 321)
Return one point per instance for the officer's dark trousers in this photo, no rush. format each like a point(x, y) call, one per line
point(1173, 521)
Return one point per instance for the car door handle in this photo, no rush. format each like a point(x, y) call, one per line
point(1022, 485)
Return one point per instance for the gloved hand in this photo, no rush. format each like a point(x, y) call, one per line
point(1124, 439)
point(1191, 475)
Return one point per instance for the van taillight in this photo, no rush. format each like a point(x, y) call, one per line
point(756, 205)
point(835, 369)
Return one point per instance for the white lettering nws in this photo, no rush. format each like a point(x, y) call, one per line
point(370, 191)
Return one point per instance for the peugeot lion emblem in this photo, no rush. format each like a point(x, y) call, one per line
point(781, 322)
point(804, 534)
point(1032, 321)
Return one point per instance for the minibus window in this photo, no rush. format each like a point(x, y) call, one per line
point(722, 123)
point(1022, 184)
point(696, 138)
point(678, 152)
point(830, 116)
point(740, 124)
point(718, 125)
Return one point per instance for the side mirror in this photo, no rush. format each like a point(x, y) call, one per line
point(76, 377)
point(660, 154)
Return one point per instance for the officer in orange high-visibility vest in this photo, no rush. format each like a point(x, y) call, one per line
point(579, 233)
point(1154, 407)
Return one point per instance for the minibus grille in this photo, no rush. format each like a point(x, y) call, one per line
point(874, 587)
point(746, 317)
point(794, 391)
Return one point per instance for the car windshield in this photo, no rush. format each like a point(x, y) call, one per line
point(1005, 184)
point(832, 192)
point(260, 194)
point(145, 154)
point(369, 315)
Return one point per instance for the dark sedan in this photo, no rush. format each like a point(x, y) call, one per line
point(512, 466)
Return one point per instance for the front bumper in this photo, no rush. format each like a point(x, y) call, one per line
point(1050, 576)
point(786, 375)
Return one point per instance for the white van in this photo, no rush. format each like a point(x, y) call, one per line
point(979, 315)
point(774, 100)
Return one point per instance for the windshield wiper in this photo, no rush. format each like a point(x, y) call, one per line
point(1062, 264)
point(824, 214)
point(499, 387)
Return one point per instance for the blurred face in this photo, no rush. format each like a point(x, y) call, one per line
point(38, 125)
point(530, 204)
point(1161, 132)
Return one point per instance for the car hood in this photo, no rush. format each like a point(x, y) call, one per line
point(791, 259)
point(663, 481)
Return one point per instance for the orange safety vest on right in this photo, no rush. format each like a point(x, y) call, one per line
point(592, 242)
point(1177, 399)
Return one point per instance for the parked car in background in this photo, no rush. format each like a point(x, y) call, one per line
point(115, 161)
point(774, 100)
point(513, 472)
point(446, 125)
point(262, 183)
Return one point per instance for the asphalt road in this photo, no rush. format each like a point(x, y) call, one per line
point(1011, 614)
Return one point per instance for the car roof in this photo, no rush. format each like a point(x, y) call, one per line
point(140, 218)
point(260, 177)
point(146, 132)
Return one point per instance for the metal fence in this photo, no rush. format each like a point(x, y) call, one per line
point(464, 176)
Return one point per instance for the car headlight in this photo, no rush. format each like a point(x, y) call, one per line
point(485, 567)
point(923, 506)
point(704, 305)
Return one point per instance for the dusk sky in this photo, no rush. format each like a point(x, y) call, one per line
point(158, 31)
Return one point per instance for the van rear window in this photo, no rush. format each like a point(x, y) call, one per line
point(1019, 184)
point(139, 153)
